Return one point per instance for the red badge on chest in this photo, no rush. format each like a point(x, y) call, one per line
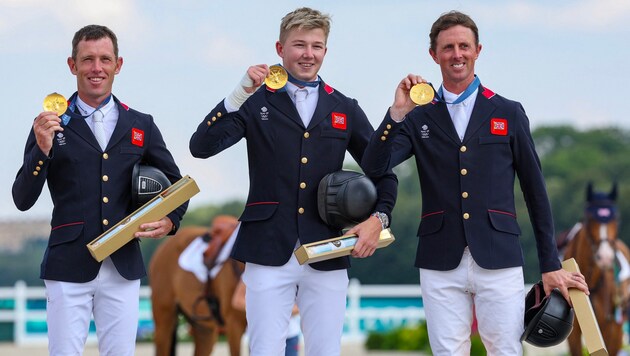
point(339, 121)
point(137, 137)
point(498, 126)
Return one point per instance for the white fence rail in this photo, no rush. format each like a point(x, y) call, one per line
point(359, 319)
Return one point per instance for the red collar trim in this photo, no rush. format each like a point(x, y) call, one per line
point(487, 93)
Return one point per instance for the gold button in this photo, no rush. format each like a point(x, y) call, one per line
point(301, 210)
point(219, 114)
point(105, 200)
point(209, 122)
point(462, 149)
point(40, 163)
point(306, 135)
point(303, 185)
point(464, 171)
point(389, 126)
point(105, 222)
point(383, 138)
point(105, 178)
point(214, 118)
point(465, 195)
point(385, 132)
point(38, 168)
point(304, 160)
point(35, 173)
point(105, 156)
point(466, 216)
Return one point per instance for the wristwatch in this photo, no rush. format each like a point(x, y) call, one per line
point(383, 218)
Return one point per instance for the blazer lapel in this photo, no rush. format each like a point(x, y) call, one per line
point(282, 102)
point(123, 125)
point(80, 127)
point(480, 115)
point(440, 116)
point(325, 105)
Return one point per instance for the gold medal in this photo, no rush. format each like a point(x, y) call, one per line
point(277, 77)
point(421, 94)
point(55, 102)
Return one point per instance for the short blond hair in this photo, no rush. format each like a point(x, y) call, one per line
point(304, 18)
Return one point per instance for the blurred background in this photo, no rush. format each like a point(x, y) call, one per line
point(563, 60)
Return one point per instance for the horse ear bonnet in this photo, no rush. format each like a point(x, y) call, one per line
point(345, 198)
point(548, 319)
point(146, 183)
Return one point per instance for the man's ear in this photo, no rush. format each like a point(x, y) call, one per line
point(72, 65)
point(433, 55)
point(119, 63)
point(279, 49)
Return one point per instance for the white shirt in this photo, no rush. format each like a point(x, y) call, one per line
point(311, 99)
point(110, 115)
point(460, 111)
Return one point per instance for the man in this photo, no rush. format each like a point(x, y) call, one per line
point(468, 145)
point(290, 148)
point(89, 178)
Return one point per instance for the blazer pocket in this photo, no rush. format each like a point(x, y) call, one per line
point(259, 211)
point(431, 223)
point(334, 134)
point(131, 150)
point(65, 233)
point(493, 139)
point(504, 222)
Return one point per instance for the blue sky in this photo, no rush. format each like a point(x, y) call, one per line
point(563, 60)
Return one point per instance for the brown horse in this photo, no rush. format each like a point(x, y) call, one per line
point(176, 291)
point(598, 251)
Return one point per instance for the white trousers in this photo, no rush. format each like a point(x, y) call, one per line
point(269, 298)
point(112, 299)
point(499, 300)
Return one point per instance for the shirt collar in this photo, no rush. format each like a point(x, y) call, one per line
point(88, 110)
point(451, 97)
point(292, 88)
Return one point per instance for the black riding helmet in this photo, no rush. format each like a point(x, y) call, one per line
point(146, 183)
point(345, 198)
point(548, 319)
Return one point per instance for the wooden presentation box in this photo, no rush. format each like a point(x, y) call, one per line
point(158, 207)
point(335, 247)
point(585, 315)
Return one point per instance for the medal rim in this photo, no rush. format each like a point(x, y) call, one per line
point(53, 98)
point(276, 85)
point(421, 87)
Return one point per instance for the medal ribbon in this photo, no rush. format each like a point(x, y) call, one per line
point(302, 83)
point(66, 118)
point(469, 90)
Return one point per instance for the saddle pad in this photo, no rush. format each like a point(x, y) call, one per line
point(191, 259)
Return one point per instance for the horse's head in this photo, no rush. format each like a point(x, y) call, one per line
point(222, 227)
point(220, 230)
point(600, 223)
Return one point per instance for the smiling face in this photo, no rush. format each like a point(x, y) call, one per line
point(456, 52)
point(95, 66)
point(303, 52)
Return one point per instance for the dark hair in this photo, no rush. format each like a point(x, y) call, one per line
point(448, 20)
point(90, 33)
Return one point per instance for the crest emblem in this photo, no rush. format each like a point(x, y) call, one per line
point(339, 121)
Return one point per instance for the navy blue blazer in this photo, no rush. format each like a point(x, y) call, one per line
point(91, 191)
point(286, 163)
point(468, 187)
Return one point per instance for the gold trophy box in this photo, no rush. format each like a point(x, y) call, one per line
point(335, 247)
point(158, 207)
